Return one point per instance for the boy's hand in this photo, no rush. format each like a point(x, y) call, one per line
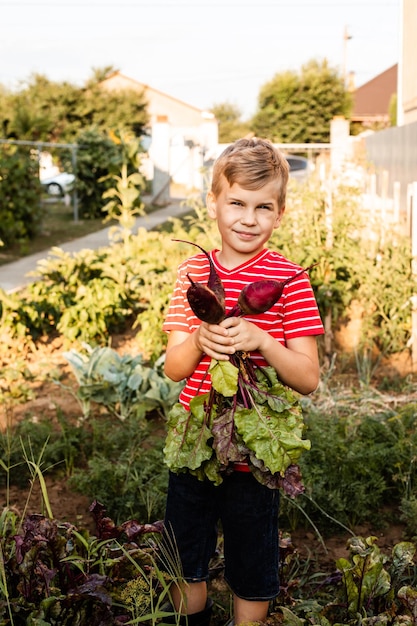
point(232, 334)
point(214, 340)
point(243, 334)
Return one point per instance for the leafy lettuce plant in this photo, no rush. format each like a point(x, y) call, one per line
point(125, 384)
point(52, 573)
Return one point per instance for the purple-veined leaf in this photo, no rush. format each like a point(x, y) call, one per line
point(291, 483)
point(248, 415)
point(224, 438)
point(186, 445)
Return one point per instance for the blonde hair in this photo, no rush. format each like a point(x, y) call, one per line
point(251, 163)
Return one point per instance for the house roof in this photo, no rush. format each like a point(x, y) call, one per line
point(372, 100)
point(160, 104)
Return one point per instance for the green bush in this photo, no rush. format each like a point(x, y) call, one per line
point(93, 294)
point(360, 466)
point(97, 156)
point(100, 158)
point(357, 262)
point(130, 478)
point(20, 195)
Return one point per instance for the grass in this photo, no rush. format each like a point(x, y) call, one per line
point(58, 227)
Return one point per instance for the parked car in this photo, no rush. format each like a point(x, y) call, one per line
point(58, 185)
point(300, 167)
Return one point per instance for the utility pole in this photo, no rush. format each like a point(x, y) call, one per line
point(346, 38)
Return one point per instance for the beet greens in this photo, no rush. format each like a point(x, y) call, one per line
point(57, 574)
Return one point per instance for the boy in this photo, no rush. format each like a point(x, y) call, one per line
point(247, 199)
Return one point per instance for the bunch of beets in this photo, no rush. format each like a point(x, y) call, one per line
point(248, 415)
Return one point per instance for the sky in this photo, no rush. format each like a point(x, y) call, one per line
point(203, 52)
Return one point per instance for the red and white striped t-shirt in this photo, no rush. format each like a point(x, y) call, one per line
point(294, 315)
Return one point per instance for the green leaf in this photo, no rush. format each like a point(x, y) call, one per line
point(271, 436)
point(290, 618)
point(402, 555)
point(186, 445)
point(210, 469)
point(224, 377)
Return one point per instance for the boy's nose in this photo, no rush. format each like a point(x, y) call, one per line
point(248, 216)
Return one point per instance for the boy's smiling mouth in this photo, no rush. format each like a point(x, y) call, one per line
point(244, 234)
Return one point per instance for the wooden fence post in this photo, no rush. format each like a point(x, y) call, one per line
point(384, 202)
point(397, 202)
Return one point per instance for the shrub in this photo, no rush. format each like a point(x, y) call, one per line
point(96, 156)
point(360, 464)
point(20, 194)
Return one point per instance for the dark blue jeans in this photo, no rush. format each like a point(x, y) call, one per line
point(248, 513)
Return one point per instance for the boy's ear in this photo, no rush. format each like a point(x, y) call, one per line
point(279, 216)
point(211, 205)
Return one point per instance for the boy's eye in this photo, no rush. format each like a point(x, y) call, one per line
point(265, 206)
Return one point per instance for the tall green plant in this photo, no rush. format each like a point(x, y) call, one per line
point(355, 263)
point(125, 197)
point(98, 155)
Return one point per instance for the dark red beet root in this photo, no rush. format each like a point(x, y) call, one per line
point(261, 295)
point(204, 303)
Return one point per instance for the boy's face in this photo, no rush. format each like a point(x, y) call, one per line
point(245, 218)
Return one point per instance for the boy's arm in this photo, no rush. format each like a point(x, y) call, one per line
point(297, 363)
point(182, 355)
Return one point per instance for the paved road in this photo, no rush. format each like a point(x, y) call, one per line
point(14, 276)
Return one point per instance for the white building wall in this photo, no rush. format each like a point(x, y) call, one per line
point(407, 91)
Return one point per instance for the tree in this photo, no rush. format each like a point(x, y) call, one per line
point(98, 156)
point(231, 126)
point(42, 110)
point(298, 108)
point(100, 73)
